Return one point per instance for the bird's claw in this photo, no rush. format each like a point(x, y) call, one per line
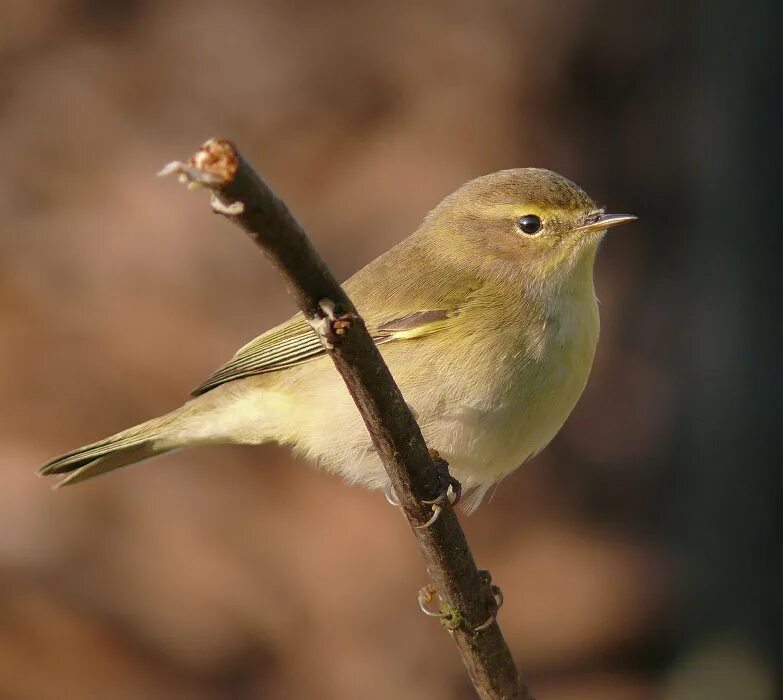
point(497, 601)
point(436, 509)
point(391, 497)
point(448, 616)
point(451, 617)
point(450, 491)
point(449, 494)
point(426, 596)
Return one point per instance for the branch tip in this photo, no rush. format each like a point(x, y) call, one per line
point(219, 157)
point(214, 165)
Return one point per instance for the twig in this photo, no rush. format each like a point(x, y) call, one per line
point(468, 600)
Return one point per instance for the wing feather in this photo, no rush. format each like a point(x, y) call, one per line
point(294, 342)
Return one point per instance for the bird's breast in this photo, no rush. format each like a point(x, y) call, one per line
point(526, 381)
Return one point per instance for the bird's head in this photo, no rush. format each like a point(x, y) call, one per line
point(526, 221)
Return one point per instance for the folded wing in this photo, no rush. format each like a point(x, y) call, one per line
point(294, 342)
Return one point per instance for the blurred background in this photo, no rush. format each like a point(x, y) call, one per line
point(639, 554)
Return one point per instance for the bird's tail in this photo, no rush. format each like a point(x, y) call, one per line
point(141, 442)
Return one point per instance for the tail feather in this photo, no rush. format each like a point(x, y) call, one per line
point(133, 445)
point(109, 462)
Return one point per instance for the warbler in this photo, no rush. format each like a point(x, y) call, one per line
point(486, 316)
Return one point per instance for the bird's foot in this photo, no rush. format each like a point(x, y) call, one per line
point(449, 493)
point(450, 489)
point(496, 603)
point(450, 617)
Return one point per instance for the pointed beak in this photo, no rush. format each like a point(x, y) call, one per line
point(601, 222)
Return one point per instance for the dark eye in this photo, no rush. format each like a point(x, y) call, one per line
point(529, 224)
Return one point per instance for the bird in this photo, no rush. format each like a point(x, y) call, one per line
point(486, 317)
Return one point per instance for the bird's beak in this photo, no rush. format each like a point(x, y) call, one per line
point(601, 222)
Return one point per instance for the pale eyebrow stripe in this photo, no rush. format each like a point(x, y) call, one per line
point(508, 210)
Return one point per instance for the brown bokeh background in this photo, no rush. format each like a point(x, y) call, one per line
point(638, 554)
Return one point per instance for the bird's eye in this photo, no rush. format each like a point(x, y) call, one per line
point(529, 224)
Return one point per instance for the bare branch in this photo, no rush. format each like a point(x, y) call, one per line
point(468, 600)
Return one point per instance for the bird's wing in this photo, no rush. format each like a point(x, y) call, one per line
point(294, 342)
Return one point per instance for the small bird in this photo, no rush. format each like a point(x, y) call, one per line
point(486, 317)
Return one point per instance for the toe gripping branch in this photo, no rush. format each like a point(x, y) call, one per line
point(449, 490)
point(453, 619)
